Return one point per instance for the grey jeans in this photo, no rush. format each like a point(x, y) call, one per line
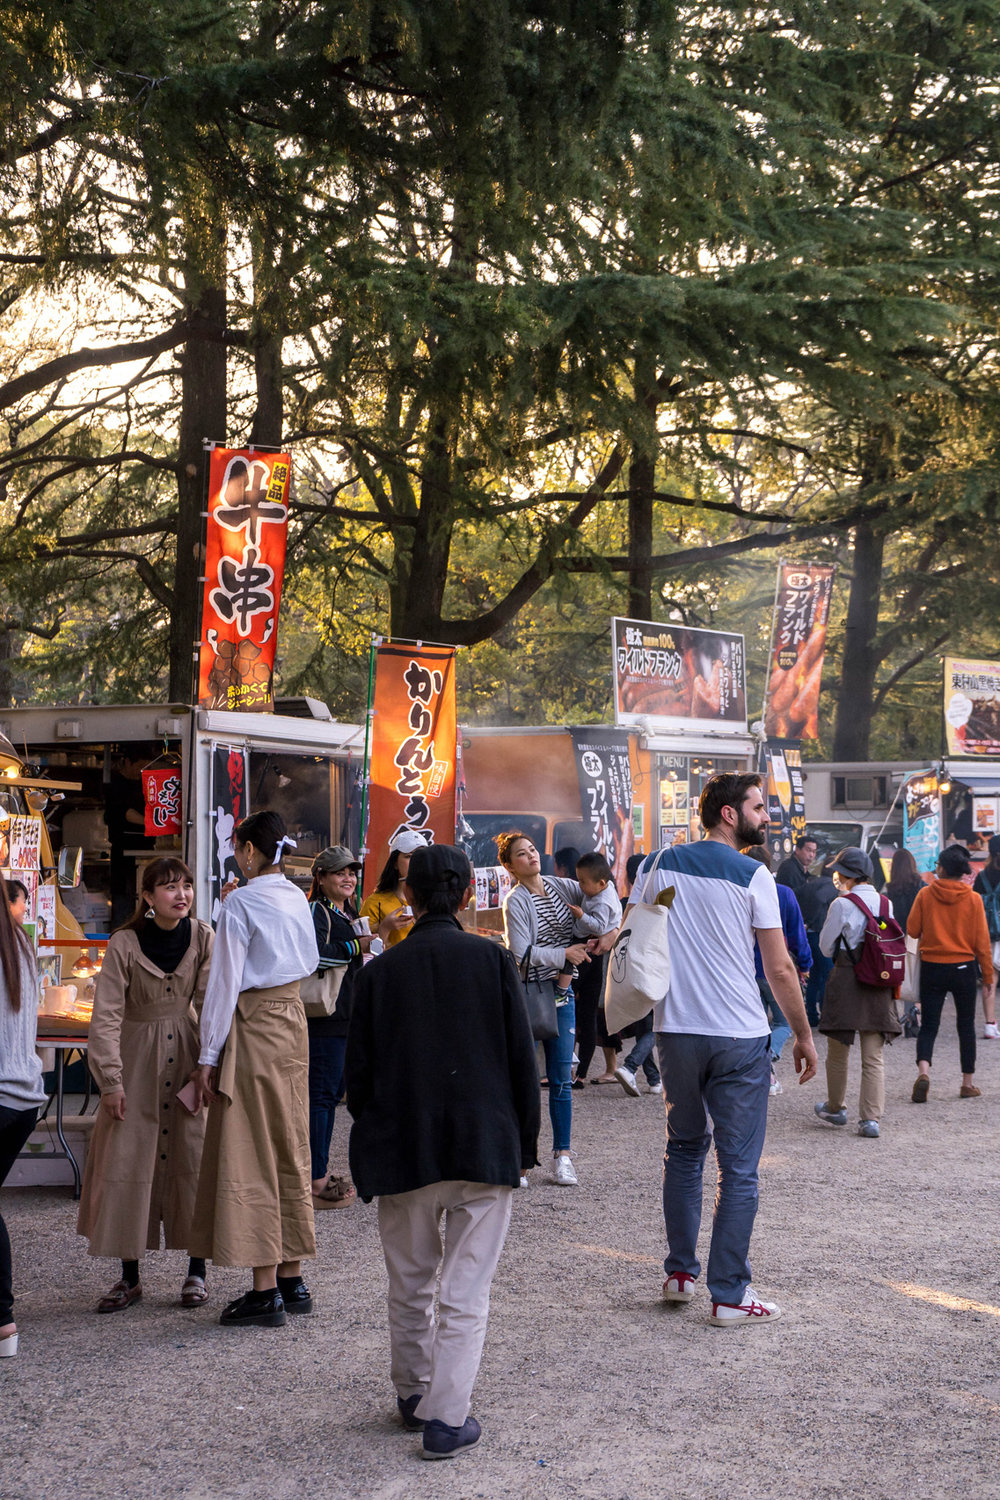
point(726, 1078)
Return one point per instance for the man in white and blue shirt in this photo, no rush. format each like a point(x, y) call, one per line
point(713, 1039)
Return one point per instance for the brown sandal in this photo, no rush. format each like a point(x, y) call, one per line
point(194, 1292)
point(120, 1296)
point(338, 1193)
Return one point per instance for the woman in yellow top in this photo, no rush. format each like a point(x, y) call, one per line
point(387, 901)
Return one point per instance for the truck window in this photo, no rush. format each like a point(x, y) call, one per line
point(485, 826)
point(573, 836)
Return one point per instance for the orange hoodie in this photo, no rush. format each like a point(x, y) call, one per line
point(949, 918)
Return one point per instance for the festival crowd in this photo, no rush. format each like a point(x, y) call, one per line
point(221, 1059)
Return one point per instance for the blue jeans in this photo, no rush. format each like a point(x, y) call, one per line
point(727, 1078)
point(326, 1075)
point(780, 1029)
point(558, 1067)
point(641, 1055)
point(816, 983)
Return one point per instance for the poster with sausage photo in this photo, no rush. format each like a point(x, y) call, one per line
point(798, 642)
point(677, 674)
point(972, 706)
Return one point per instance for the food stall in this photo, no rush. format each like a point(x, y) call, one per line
point(88, 795)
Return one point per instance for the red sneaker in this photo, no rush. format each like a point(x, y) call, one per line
point(678, 1287)
point(751, 1311)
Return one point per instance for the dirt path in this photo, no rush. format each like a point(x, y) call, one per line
point(882, 1380)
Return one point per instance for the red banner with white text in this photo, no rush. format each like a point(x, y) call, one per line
point(411, 781)
point(244, 569)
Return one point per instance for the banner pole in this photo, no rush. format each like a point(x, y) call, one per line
point(369, 715)
point(770, 648)
point(192, 768)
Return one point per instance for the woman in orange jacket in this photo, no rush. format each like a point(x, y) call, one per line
point(949, 920)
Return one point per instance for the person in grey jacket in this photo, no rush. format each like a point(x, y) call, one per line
point(538, 927)
point(21, 1090)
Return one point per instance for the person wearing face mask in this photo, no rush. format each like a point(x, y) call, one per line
point(331, 895)
point(387, 908)
point(850, 1007)
point(145, 1151)
point(254, 1204)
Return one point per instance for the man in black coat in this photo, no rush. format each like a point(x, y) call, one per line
point(443, 1089)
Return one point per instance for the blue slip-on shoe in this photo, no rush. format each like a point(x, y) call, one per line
point(442, 1441)
point(407, 1408)
point(831, 1116)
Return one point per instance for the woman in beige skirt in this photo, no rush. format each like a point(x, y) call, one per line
point(254, 1205)
point(142, 1166)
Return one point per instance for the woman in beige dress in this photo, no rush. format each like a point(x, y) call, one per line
point(142, 1166)
point(254, 1204)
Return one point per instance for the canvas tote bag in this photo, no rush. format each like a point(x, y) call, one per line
point(319, 991)
point(639, 962)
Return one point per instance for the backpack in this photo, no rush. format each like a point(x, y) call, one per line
point(991, 901)
point(881, 962)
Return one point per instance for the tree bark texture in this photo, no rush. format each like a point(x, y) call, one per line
point(202, 415)
point(862, 655)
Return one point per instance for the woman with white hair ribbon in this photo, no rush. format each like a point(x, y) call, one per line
point(254, 1203)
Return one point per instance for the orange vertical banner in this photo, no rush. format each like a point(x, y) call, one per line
point(244, 570)
point(411, 781)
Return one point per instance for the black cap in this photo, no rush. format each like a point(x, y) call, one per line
point(439, 867)
point(854, 863)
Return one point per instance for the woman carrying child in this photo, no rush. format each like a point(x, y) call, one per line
point(538, 928)
point(145, 1152)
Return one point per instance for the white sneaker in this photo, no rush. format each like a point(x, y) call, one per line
point(626, 1078)
point(679, 1287)
point(657, 1087)
point(775, 1085)
point(524, 1181)
point(565, 1175)
point(751, 1311)
point(992, 1031)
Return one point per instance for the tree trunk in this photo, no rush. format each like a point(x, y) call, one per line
point(8, 654)
point(862, 657)
point(642, 483)
point(203, 415)
point(418, 601)
point(266, 338)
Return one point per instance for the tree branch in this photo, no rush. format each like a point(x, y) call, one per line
point(81, 359)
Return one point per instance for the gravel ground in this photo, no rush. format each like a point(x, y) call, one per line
point(881, 1380)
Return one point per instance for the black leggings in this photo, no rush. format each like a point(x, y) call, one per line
point(15, 1127)
point(590, 1028)
point(936, 980)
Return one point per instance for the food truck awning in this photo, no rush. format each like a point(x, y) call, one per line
point(983, 780)
point(739, 746)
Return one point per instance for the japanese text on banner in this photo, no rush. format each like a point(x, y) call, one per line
point(412, 773)
point(801, 612)
point(244, 570)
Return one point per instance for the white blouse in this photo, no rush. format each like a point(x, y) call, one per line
point(265, 937)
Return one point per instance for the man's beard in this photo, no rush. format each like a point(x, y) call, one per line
point(747, 836)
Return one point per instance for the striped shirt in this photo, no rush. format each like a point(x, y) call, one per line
point(555, 929)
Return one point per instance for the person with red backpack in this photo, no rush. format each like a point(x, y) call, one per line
point(862, 950)
point(949, 920)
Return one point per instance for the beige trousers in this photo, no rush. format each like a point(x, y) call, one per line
point(439, 1356)
point(872, 1102)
